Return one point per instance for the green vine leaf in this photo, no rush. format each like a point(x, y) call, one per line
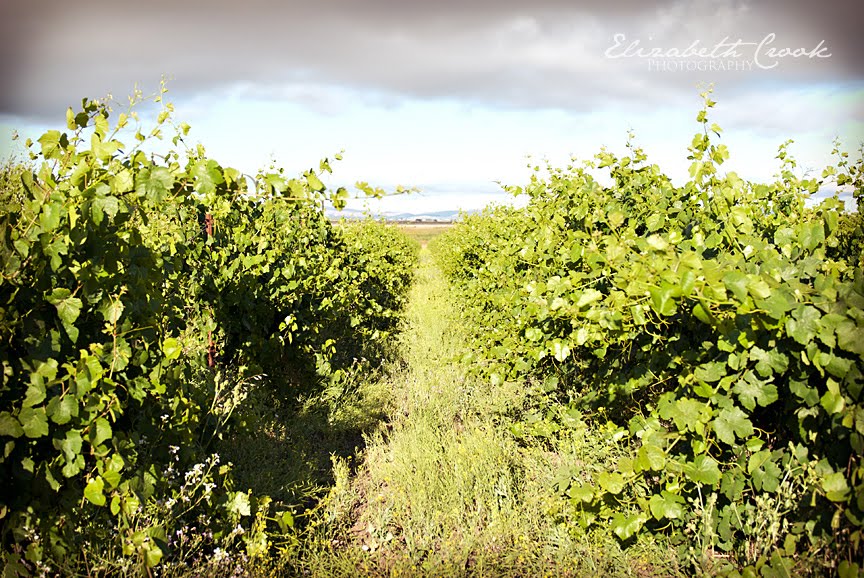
point(731, 423)
point(9, 426)
point(34, 422)
point(752, 391)
point(100, 431)
point(207, 176)
point(703, 470)
point(154, 183)
point(68, 307)
point(93, 491)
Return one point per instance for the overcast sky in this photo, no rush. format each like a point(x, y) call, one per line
point(449, 96)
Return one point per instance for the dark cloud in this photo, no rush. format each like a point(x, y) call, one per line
point(504, 53)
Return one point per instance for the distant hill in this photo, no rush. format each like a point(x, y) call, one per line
point(431, 217)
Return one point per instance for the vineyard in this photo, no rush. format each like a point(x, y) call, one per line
point(203, 375)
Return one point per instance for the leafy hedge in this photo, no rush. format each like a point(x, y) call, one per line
point(708, 325)
point(139, 295)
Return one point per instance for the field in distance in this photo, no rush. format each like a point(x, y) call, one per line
point(424, 232)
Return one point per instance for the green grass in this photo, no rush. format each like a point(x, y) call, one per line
point(442, 488)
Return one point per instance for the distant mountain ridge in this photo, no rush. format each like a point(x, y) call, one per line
point(428, 217)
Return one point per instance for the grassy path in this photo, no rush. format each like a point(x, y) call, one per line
point(442, 487)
